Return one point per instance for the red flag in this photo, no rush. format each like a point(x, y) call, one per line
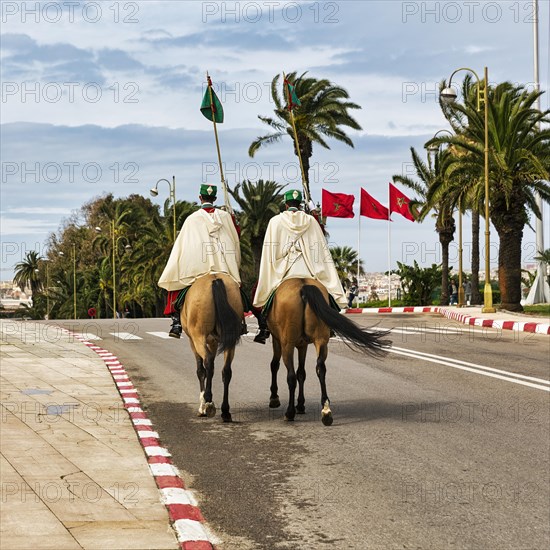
point(371, 208)
point(400, 203)
point(337, 205)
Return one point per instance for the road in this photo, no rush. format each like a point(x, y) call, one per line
point(443, 444)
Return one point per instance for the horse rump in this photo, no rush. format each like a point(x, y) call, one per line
point(369, 341)
point(228, 322)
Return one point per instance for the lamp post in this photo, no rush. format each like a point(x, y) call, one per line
point(154, 192)
point(433, 149)
point(114, 243)
point(448, 95)
point(74, 278)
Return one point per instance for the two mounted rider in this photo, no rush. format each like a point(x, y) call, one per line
point(294, 247)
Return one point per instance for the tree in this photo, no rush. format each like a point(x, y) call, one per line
point(345, 261)
point(544, 257)
point(259, 202)
point(27, 273)
point(324, 110)
point(418, 283)
point(519, 164)
point(429, 176)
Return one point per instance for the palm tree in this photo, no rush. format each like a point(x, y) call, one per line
point(27, 273)
point(259, 203)
point(544, 257)
point(429, 176)
point(146, 268)
point(519, 163)
point(322, 114)
point(345, 261)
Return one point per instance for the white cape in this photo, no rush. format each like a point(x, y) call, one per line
point(295, 247)
point(207, 243)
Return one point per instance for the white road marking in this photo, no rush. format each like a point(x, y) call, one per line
point(125, 336)
point(163, 335)
point(521, 379)
point(87, 336)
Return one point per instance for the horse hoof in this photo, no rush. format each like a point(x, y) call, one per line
point(210, 410)
point(274, 403)
point(201, 415)
point(300, 410)
point(227, 417)
point(289, 419)
point(327, 419)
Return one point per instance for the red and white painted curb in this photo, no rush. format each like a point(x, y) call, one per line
point(519, 326)
point(185, 515)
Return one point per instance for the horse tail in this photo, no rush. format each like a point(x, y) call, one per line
point(228, 322)
point(368, 341)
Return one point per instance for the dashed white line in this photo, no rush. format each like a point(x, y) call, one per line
point(125, 336)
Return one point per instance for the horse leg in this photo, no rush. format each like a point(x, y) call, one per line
point(226, 377)
point(201, 375)
point(326, 413)
point(275, 362)
point(210, 408)
point(301, 376)
point(288, 359)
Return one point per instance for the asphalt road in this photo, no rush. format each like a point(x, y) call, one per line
point(439, 445)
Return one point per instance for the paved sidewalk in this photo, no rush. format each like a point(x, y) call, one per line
point(74, 474)
point(471, 315)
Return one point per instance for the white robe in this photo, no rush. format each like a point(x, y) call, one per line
point(295, 247)
point(207, 243)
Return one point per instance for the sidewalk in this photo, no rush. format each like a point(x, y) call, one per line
point(473, 315)
point(74, 474)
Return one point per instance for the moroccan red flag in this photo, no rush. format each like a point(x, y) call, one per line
point(400, 203)
point(371, 208)
point(337, 205)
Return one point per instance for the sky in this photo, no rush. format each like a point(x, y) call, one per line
point(101, 97)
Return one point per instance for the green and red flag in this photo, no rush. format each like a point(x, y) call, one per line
point(290, 94)
point(337, 205)
point(211, 106)
point(371, 208)
point(399, 202)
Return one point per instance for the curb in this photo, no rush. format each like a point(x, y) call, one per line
point(185, 516)
point(519, 326)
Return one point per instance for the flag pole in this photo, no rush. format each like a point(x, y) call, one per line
point(213, 109)
point(389, 248)
point(289, 103)
point(358, 253)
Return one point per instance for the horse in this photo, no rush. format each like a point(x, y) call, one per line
point(211, 317)
point(300, 315)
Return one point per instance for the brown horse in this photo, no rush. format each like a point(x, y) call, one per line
point(211, 317)
point(301, 315)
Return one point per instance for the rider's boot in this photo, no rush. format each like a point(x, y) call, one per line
point(264, 333)
point(175, 329)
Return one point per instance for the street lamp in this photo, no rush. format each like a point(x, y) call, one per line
point(433, 149)
point(448, 95)
point(74, 278)
point(154, 192)
point(115, 240)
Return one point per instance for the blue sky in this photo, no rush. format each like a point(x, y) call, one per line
point(104, 97)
